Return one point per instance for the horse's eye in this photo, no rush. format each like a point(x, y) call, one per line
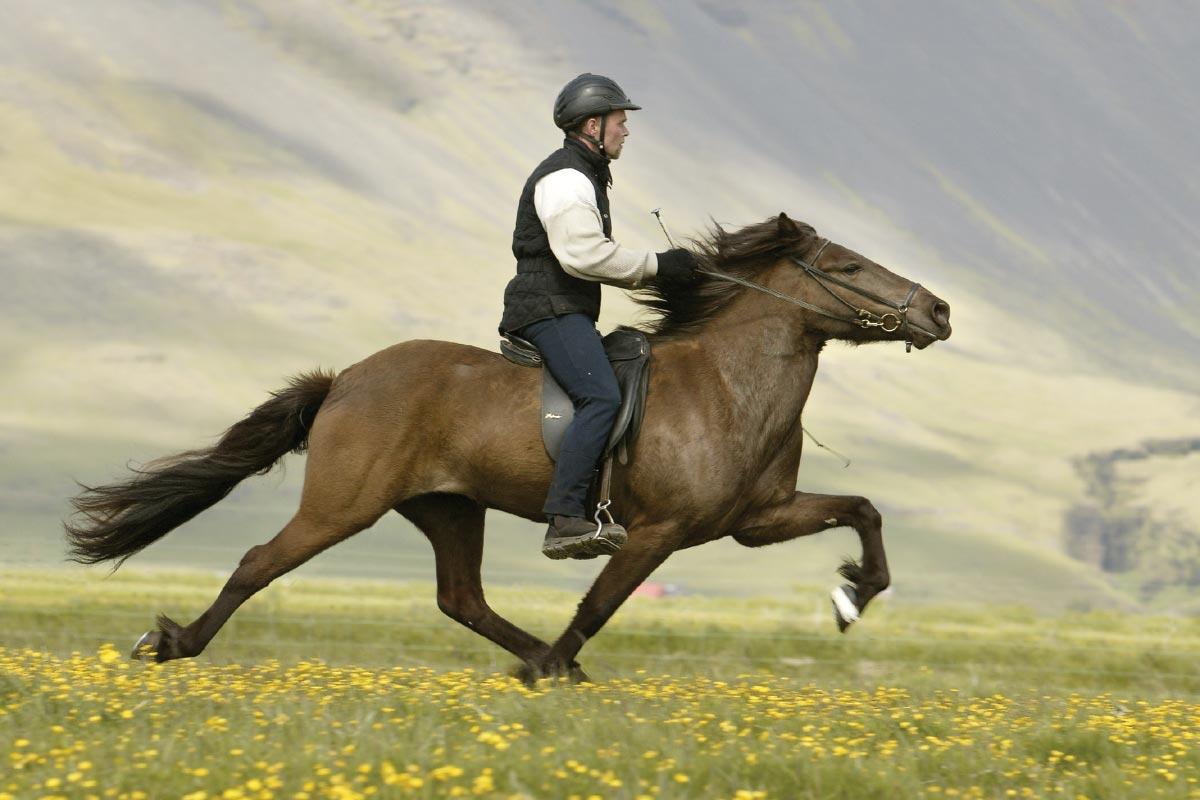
point(852, 269)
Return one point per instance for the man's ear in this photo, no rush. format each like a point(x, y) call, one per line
point(787, 228)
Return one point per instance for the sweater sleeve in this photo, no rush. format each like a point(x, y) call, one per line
point(566, 204)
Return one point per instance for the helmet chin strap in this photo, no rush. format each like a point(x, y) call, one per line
point(600, 141)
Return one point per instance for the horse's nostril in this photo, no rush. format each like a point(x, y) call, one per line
point(941, 313)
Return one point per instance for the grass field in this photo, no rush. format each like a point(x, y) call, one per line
point(322, 688)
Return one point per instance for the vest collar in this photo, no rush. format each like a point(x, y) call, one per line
point(598, 163)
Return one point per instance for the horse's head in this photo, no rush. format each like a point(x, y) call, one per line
point(834, 292)
point(848, 295)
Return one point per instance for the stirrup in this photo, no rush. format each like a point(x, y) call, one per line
point(606, 539)
point(610, 535)
point(602, 508)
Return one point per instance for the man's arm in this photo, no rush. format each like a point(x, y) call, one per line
point(566, 204)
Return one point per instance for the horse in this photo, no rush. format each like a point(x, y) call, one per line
point(441, 432)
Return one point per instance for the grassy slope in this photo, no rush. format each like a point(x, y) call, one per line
point(313, 208)
point(326, 688)
point(371, 622)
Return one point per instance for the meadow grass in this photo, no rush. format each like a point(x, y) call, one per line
point(357, 689)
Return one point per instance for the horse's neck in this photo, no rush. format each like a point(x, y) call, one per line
point(766, 368)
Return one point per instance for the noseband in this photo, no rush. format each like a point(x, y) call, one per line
point(889, 322)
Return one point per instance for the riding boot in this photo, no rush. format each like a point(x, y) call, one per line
point(576, 537)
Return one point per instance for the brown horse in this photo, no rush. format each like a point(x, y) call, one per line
point(441, 432)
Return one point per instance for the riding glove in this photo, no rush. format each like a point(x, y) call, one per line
point(677, 266)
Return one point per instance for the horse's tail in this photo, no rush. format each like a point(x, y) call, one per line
point(120, 519)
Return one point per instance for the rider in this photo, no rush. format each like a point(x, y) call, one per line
point(564, 249)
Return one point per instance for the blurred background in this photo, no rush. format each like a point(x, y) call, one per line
point(199, 199)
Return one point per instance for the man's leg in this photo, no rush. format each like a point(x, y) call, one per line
point(571, 349)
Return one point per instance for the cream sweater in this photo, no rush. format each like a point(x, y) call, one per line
point(566, 204)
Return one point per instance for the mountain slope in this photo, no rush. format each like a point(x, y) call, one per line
point(197, 200)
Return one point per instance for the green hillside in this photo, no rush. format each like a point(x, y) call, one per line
point(197, 201)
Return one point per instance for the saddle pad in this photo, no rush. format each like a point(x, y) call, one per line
point(629, 353)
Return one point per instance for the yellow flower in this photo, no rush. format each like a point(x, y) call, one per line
point(445, 773)
point(483, 784)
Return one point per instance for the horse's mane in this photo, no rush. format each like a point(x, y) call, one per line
point(742, 253)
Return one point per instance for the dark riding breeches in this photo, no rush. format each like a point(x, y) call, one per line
point(571, 349)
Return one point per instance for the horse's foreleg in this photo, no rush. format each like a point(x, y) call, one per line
point(625, 571)
point(806, 514)
point(454, 526)
point(300, 540)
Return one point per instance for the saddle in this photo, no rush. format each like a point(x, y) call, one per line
point(629, 353)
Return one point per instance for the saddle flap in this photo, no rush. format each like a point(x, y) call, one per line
point(557, 413)
point(520, 351)
point(629, 352)
point(633, 378)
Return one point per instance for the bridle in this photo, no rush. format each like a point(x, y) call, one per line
point(889, 321)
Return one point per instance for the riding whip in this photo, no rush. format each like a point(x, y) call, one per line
point(658, 216)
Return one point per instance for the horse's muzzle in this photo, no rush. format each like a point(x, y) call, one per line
point(941, 315)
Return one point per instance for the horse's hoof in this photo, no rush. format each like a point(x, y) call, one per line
point(845, 610)
point(527, 674)
point(530, 673)
point(146, 647)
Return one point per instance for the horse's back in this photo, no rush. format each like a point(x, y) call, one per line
point(454, 417)
point(408, 371)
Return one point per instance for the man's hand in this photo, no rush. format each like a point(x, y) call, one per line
point(677, 267)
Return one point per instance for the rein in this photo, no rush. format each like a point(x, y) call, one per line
point(889, 321)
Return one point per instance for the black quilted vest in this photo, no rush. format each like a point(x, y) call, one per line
point(541, 288)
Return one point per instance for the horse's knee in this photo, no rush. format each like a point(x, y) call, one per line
point(465, 610)
point(866, 514)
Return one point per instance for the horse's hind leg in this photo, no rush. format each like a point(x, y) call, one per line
point(301, 539)
point(454, 526)
point(805, 514)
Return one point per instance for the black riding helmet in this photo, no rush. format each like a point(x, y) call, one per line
point(589, 95)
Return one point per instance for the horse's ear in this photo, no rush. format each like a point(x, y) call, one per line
point(788, 229)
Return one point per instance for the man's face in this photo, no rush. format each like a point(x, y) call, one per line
point(614, 132)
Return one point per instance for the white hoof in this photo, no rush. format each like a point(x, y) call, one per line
point(144, 648)
point(845, 612)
